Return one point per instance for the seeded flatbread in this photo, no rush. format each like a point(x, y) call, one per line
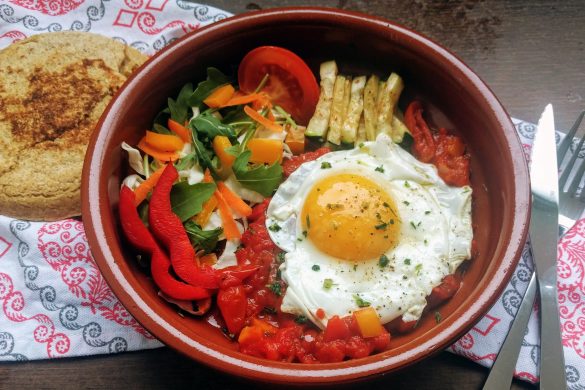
point(53, 89)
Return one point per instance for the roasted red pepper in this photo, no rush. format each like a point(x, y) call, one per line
point(167, 227)
point(140, 237)
point(451, 161)
point(445, 151)
point(424, 146)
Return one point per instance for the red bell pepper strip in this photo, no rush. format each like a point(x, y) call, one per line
point(167, 227)
point(140, 237)
point(424, 146)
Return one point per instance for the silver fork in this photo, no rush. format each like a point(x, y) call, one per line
point(571, 206)
point(570, 203)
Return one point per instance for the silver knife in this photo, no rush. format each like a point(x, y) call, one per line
point(543, 239)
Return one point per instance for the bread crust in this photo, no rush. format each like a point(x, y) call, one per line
point(53, 89)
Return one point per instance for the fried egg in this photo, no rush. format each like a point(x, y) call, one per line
point(371, 226)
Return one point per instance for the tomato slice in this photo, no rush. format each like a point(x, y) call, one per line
point(291, 84)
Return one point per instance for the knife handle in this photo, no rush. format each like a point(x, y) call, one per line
point(552, 362)
point(502, 371)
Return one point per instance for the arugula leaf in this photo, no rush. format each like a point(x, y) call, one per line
point(157, 128)
point(215, 78)
point(204, 156)
point(187, 161)
point(187, 200)
point(180, 108)
point(209, 126)
point(202, 239)
point(263, 179)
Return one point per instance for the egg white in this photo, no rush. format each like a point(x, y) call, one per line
point(434, 238)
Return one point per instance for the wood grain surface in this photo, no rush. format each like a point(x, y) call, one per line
point(529, 52)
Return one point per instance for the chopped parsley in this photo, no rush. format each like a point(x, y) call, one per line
point(379, 169)
point(301, 319)
point(438, 317)
point(427, 212)
point(325, 165)
point(407, 184)
point(315, 267)
point(406, 202)
point(275, 288)
point(361, 145)
point(274, 227)
point(413, 225)
point(304, 234)
point(384, 261)
point(360, 301)
point(407, 261)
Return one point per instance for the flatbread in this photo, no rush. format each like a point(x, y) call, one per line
point(53, 89)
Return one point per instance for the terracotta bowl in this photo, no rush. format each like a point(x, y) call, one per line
point(458, 99)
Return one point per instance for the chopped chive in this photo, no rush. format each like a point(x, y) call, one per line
point(275, 288)
point(280, 256)
point(360, 301)
point(418, 268)
point(381, 226)
point(413, 225)
point(383, 262)
point(407, 184)
point(327, 284)
point(274, 227)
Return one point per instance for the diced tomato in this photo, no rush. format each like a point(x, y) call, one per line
point(444, 291)
point(292, 164)
point(337, 329)
point(232, 305)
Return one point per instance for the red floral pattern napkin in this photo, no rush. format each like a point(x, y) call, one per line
point(54, 301)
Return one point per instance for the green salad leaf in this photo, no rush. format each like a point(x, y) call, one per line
point(209, 126)
point(179, 108)
point(202, 239)
point(205, 156)
point(187, 200)
point(261, 178)
point(158, 128)
point(215, 78)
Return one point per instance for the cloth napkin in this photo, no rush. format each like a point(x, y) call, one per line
point(54, 301)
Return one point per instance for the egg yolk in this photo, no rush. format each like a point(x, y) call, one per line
point(350, 217)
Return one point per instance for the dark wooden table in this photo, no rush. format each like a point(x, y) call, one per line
point(529, 52)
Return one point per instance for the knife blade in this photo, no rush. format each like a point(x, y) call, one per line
point(543, 238)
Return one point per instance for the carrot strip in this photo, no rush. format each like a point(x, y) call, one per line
point(182, 131)
point(236, 203)
point(230, 228)
point(245, 99)
point(151, 151)
point(262, 120)
point(220, 96)
point(203, 217)
point(163, 142)
point(147, 185)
